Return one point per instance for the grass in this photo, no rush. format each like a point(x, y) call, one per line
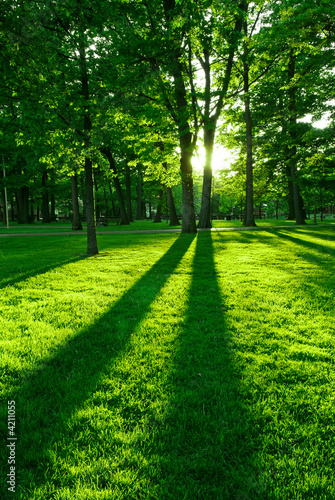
point(170, 366)
point(142, 225)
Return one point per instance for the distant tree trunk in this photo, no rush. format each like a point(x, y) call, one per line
point(139, 212)
point(107, 209)
point(128, 194)
point(117, 185)
point(52, 207)
point(158, 215)
point(12, 210)
point(112, 200)
point(291, 211)
point(92, 245)
point(277, 208)
point(45, 199)
point(172, 209)
point(22, 202)
point(292, 153)
point(4, 220)
point(97, 206)
point(76, 222)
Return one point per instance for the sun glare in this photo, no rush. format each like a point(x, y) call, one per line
point(222, 159)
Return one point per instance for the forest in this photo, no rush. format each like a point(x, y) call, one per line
point(104, 104)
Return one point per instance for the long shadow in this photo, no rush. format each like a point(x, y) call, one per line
point(30, 260)
point(323, 249)
point(207, 450)
point(65, 380)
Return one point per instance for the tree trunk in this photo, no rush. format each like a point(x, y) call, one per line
point(4, 220)
point(139, 211)
point(172, 209)
point(52, 207)
point(205, 210)
point(249, 218)
point(128, 194)
point(209, 134)
point(22, 201)
point(159, 207)
point(45, 199)
point(92, 244)
point(188, 213)
point(291, 211)
point(76, 222)
point(117, 185)
point(112, 200)
point(186, 152)
point(292, 153)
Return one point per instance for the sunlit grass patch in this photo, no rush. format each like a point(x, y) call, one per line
point(171, 366)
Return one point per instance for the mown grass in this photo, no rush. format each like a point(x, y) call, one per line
point(170, 366)
point(143, 225)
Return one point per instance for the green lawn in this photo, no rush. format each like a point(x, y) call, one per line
point(170, 366)
point(143, 225)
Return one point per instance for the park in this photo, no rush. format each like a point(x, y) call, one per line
point(167, 243)
point(171, 365)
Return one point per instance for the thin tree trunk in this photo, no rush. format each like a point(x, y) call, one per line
point(117, 185)
point(52, 207)
point(4, 220)
point(112, 200)
point(92, 244)
point(139, 211)
point(293, 148)
point(249, 218)
point(45, 199)
point(128, 194)
point(76, 222)
point(291, 211)
point(172, 209)
point(158, 215)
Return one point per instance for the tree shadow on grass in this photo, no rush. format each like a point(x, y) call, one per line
point(308, 245)
point(207, 450)
point(25, 259)
point(65, 380)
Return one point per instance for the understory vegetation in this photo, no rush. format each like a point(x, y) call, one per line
point(170, 366)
